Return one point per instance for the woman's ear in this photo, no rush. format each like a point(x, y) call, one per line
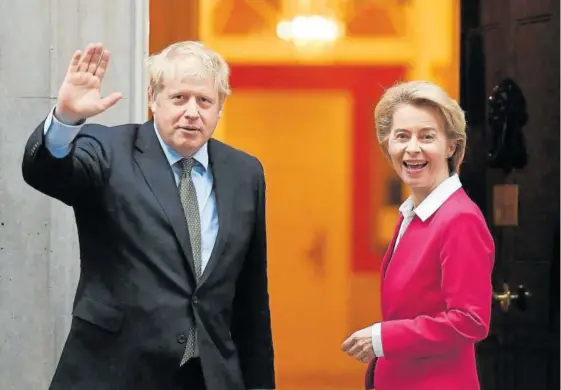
point(449, 161)
point(451, 150)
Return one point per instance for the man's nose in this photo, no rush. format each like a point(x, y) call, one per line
point(191, 109)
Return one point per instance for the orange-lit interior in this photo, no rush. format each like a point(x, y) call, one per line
point(309, 120)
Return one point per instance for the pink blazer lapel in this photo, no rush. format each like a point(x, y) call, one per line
point(389, 251)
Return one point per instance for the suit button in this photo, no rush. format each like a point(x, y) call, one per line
point(195, 300)
point(181, 339)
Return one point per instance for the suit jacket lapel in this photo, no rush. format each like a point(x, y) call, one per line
point(158, 174)
point(224, 186)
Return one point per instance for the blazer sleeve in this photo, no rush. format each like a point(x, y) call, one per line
point(467, 257)
point(68, 178)
point(251, 322)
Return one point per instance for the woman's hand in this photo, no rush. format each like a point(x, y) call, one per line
point(359, 345)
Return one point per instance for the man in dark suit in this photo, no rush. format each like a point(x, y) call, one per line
point(173, 290)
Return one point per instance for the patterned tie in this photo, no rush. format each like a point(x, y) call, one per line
point(191, 209)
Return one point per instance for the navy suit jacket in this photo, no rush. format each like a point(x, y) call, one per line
point(137, 296)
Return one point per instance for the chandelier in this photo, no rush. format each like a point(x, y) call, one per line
point(319, 24)
point(307, 29)
point(308, 23)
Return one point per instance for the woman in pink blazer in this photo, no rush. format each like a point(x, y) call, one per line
point(436, 274)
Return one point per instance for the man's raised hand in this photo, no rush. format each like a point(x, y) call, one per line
point(79, 96)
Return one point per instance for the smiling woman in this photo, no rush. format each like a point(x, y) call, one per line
point(422, 131)
point(418, 148)
point(442, 253)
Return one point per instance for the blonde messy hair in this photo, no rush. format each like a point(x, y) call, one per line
point(423, 93)
point(188, 59)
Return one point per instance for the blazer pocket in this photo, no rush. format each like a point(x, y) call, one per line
point(98, 313)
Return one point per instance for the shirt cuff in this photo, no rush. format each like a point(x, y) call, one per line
point(377, 340)
point(59, 136)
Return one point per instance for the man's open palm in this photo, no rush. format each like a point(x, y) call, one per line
point(79, 96)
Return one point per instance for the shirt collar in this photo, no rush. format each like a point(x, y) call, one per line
point(201, 156)
point(433, 201)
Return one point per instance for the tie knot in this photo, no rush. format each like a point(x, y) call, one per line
point(188, 163)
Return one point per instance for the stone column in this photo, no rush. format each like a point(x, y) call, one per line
point(39, 256)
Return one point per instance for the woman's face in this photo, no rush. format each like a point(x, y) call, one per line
point(419, 149)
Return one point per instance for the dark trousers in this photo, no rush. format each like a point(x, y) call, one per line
point(369, 375)
point(190, 376)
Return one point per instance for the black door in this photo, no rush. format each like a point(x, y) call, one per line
point(510, 91)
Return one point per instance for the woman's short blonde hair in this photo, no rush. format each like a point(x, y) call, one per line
point(188, 59)
point(423, 93)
